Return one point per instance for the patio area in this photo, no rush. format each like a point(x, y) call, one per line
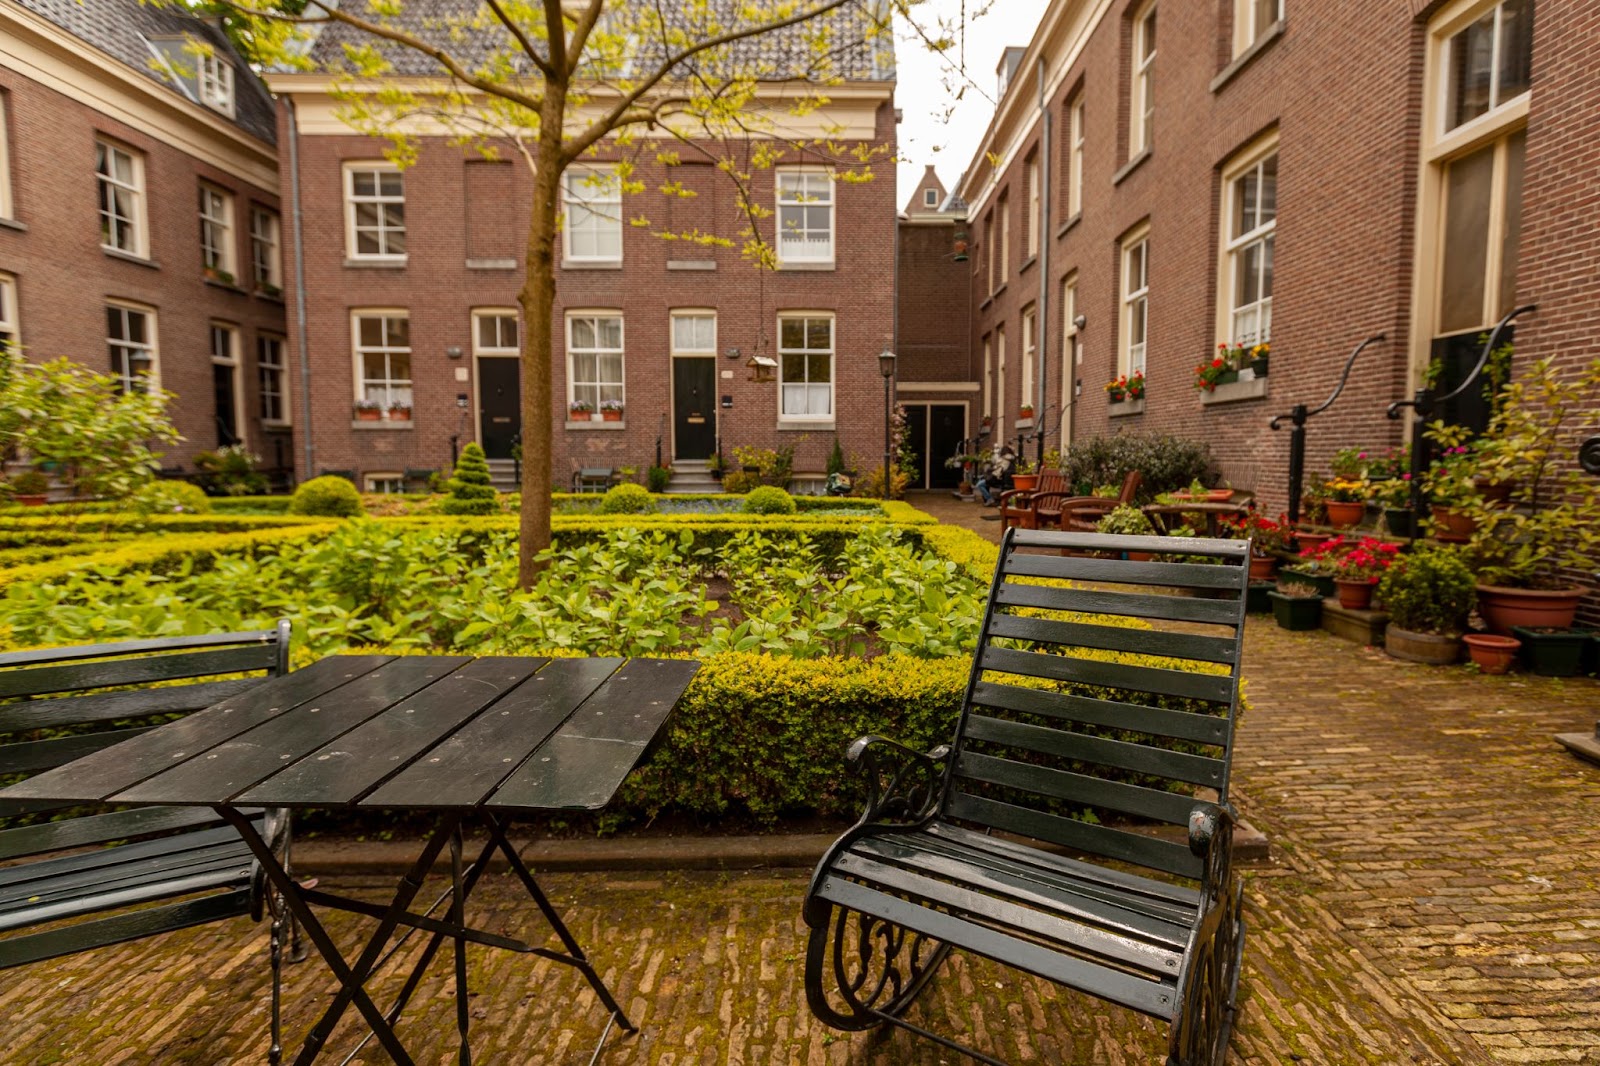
point(1430, 900)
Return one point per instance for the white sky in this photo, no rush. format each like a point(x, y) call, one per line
point(946, 110)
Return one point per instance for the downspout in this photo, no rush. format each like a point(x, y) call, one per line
point(1043, 316)
point(297, 221)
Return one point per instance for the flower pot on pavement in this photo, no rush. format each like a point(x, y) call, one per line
point(1492, 653)
point(1262, 567)
point(1452, 526)
point(1430, 648)
point(1296, 613)
point(1355, 595)
point(1504, 608)
point(1256, 599)
point(1400, 520)
point(1553, 652)
point(1345, 513)
point(1323, 582)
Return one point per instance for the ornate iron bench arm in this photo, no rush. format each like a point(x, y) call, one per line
point(1211, 839)
point(902, 783)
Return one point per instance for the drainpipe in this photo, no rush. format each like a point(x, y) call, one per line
point(297, 220)
point(1043, 316)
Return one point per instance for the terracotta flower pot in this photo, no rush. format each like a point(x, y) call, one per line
point(1452, 526)
point(1493, 654)
point(364, 414)
point(1024, 482)
point(1355, 595)
point(1503, 608)
point(399, 414)
point(1262, 567)
point(1491, 492)
point(1219, 495)
point(1430, 648)
point(611, 416)
point(1310, 542)
point(30, 499)
point(1345, 513)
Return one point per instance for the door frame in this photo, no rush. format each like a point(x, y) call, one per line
point(477, 393)
point(672, 403)
point(927, 427)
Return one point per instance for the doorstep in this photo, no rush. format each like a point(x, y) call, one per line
point(1363, 627)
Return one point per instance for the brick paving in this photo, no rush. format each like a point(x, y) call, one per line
point(1434, 899)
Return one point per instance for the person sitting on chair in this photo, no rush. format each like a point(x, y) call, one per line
point(995, 479)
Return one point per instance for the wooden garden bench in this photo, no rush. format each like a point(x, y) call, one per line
point(1017, 505)
point(979, 846)
point(92, 877)
point(1080, 514)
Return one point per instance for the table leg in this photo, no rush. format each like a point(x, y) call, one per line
point(458, 919)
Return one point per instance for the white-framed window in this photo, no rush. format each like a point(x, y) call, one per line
point(384, 483)
point(1003, 209)
point(805, 216)
point(225, 384)
point(593, 224)
point(119, 175)
point(382, 357)
point(496, 331)
point(999, 384)
point(991, 236)
point(272, 380)
point(266, 250)
point(988, 376)
point(1135, 331)
point(805, 366)
point(215, 77)
point(596, 373)
point(1075, 137)
point(1072, 339)
point(1143, 108)
point(216, 232)
point(131, 339)
point(1030, 353)
point(1250, 220)
point(694, 333)
point(7, 208)
point(1251, 21)
point(1489, 63)
point(10, 332)
point(1030, 243)
point(930, 197)
point(375, 211)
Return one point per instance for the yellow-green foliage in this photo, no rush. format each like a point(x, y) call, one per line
point(162, 553)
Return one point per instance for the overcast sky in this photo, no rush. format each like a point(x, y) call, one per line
point(946, 110)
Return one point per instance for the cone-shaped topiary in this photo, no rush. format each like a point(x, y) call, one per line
point(471, 490)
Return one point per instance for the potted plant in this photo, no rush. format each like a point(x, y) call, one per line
point(1259, 357)
point(1117, 389)
point(1392, 496)
point(1136, 385)
point(218, 275)
point(1521, 548)
point(1357, 572)
point(31, 488)
point(1551, 652)
point(1128, 522)
point(1208, 375)
point(1492, 653)
point(1267, 538)
point(1429, 595)
point(1296, 606)
point(1025, 413)
point(611, 410)
point(715, 465)
point(1316, 566)
point(580, 411)
point(1451, 486)
point(399, 412)
point(368, 411)
point(1346, 501)
point(1026, 476)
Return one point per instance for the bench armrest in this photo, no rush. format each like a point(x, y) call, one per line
point(903, 784)
point(1211, 840)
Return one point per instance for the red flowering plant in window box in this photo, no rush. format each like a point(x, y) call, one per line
point(1136, 385)
point(1208, 375)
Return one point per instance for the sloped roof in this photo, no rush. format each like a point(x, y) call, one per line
point(846, 50)
point(124, 30)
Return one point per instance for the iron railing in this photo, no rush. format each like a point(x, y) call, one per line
point(1299, 414)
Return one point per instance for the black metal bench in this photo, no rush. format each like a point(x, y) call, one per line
point(101, 878)
point(981, 845)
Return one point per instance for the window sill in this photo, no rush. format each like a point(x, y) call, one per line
point(1022, 423)
point(1066, 226)
point(797, 425)
point(369, 424)
point(129, 257)
point(1130, 166)
point(224, 286)
point(597, 264)
point(1126, 408)
point(806, 266)
point(1236, 392)
point(270, 297)
point(11, 223)
point(691, 264)
point(1027, 264)
point(597, 425)
point(491, 264)
point(1246, 57)
point(996, 294)
point(276, 427)
point(356, 263)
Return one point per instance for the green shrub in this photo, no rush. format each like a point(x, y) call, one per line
point(170, 497)
point(1127, 521)
point(1167, 463)
point(231, 471)
point(657, 478)
point(1430, 590)
point(326, 497)
point(471, 490)
point(627, 498)
point(768, 499)
point(836, 459)
point(739, 482)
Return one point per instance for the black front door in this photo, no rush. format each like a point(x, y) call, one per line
point(694, 408)
point(227, 410)
point(499, 405)
point(917, 435)
point(947, 426)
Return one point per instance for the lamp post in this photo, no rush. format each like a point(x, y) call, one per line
point(886, 365)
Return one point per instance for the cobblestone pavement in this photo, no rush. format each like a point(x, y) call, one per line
point(1434, 899)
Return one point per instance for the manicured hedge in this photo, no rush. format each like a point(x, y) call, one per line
point(163, 553)
point(133, 524)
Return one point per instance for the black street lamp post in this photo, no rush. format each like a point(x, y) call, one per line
point(886, 365)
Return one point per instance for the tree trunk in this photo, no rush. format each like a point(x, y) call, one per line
point(538, 299)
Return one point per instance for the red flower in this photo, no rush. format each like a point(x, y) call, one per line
point(1216, 363)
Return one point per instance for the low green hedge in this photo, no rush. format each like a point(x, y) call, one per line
point(161, 553)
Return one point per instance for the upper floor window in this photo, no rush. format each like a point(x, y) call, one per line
point(595, 371)
point(8, 312)
point(375, 211)
point(805, 371)
point(1030, 242)
point(991, 237)
point(1030, 352)
point(930, 197)
point(1251, 219)
point(594, 214)
point(215, 77)
point(1072, 348)
point(7, 208)
point(1143, 101)
point(1075, 137)
point(216, 234)
point(495, 333)
point(1135, 331)
point(131, 338)
point(1251, 21)
point(266, 256)
point(1003, 211)
point(383, 360)
point(805, 216)
point(119, 174)
point(272, 380)
point(1490, 62)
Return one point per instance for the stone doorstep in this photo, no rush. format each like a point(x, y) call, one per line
point(777, 851)
point(1363, 627)
point(1583, 745)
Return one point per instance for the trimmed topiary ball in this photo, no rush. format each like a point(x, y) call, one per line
point(170, 497)
point(471, 490)
point(627, 499)
point(768, 499)
point(328, 497)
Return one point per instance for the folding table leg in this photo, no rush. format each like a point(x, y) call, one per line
point(458, 918)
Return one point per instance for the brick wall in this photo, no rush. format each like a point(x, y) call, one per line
point(64, 278)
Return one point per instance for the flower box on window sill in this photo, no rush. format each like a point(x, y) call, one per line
point(1126, 408)
point(381, 423)
point(1023, 422)
point(595, 423)
point(1252, 388)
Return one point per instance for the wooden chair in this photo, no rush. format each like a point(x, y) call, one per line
point(921, 874)
point(1081, 513)
point(1017, 505)
point(89, 875)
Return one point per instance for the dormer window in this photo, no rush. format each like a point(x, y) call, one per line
point(216, 82)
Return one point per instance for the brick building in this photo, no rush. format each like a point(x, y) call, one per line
point(139, 225)
point(412, 277)
point(1309, 174)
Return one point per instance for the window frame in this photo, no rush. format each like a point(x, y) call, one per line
point(281, 370)
point(10, 310)
point(8, 206)
point(1249, 159)
point(138, 221)
point(370, 483)
point(227, 258)
point(1246, 30)
point(585, 176)
point(678, 313)
point(1141, 110)
point(1003, 211)
point(1076, 137)
point(1443, 29)
point(499, 351)
point(1071, 352)
point(833, 366)
point(597, 314)
point(988, 375)
point(1133, 301)
point(1030, 243)
point(358, 350)
point(930, 198)
point(151, 346)
point(231, 358)
point(352, 244)
point(1030, 356)
point(779, 203)
point(272, 241)
point(214, 82)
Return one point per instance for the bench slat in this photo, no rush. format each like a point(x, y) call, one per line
point(31, 756)
point(75, 652)
point(100, 829)
point(1124, 604)
point(1159, 721)
point(100, 859)
point(1215, 688)
point(1074, 568)
point(1169, 807)
point(1106, 841)
point(121, 928)
point(225, 863)
point(1137, 758)
point(109, 706)
point(1114, 638)
point(76, 676)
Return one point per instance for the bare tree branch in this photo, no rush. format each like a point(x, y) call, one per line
point(528, 48)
